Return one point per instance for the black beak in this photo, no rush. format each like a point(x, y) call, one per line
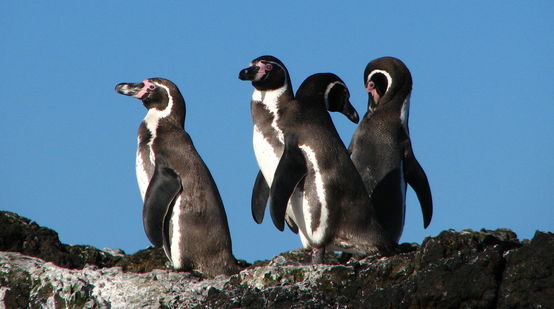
point(350, 112)
point(129, 89)
point(248, 73)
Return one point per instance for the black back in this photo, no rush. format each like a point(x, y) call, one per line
point(381, 147)
point(307, 123)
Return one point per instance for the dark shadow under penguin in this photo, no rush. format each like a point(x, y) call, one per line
point(381, 148)
point(335, 212)
point(272, 92)
point(183, 211)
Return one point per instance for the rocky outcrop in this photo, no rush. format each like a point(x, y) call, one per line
point(486, 269)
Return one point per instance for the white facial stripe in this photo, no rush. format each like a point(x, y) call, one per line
point(175, 241)
point(265, 155)
point(387, 75)
point(329, 87)
point(153, 117)
point(316, 236)
point(404, 114)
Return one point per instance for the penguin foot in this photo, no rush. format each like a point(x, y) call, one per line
point(318, 255)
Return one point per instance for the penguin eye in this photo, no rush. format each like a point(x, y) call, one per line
point(268, 67)
point(151, 87)
point(370, 85)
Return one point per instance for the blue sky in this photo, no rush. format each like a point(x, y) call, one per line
point(481, 119)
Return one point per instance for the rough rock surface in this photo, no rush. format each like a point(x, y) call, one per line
point(467, 269)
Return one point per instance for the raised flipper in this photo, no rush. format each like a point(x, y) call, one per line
point(290, 171)
point(416, 178)
point(162, 190)
point(260, 194)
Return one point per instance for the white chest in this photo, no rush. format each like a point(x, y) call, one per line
point(270, 101)
point(266, 155)
point(143, 178)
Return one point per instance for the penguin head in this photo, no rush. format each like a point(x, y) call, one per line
point(156, 93)
point(266, 73)
point(386, 79)
point(329, 88)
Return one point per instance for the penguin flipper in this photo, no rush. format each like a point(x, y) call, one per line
point(416, 178)
point(292, 225)
point(260, 194)
point(290, 171)
point(164, 186)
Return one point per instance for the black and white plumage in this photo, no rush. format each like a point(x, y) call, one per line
point(183, 211)
point(381, 147)
point(335, 212)
point(272, 92)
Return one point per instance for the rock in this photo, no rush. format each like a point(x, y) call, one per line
point(18, 234)
point(528, 278)
point(467, 269)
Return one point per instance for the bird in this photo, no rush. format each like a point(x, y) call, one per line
point(183, 211)
point(272, 91)
point(381, 148)
point(335, 212)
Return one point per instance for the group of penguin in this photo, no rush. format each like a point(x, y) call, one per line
point(335, 198)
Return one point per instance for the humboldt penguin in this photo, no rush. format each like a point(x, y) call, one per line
point(183, 211)
point(381, 148)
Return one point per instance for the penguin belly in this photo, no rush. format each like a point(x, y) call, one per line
point(267, 156)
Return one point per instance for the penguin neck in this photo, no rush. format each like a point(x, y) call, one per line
point(391, 101)
point(266, 107)
point(173, 115)
point(273, 99)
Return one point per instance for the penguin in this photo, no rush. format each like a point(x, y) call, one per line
point(272, 91)
point(183, 211)
point(336, 212)
point(381, 148)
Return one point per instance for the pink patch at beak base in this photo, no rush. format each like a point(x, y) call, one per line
point(264, 68)
point(370, 88)
point(145, 89)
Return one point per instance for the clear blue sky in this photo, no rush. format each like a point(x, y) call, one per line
point(481, 119)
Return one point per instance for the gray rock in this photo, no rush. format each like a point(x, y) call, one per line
point(467, 269)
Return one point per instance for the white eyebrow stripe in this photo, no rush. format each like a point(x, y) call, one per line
point(387, 75)
point(329, 87)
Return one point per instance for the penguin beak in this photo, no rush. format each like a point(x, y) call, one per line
point(249, 73)
point(350, 112)
point(129, 89)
